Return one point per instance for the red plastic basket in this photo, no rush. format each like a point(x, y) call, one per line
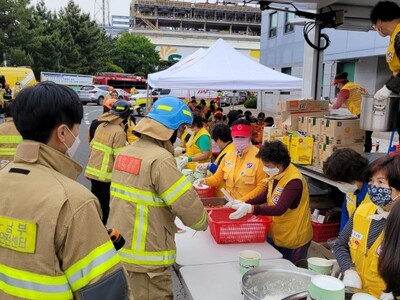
point(322, 232)
point(249, 229)
point(206, 193)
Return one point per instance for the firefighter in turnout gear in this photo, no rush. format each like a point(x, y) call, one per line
point(53, 244)
point(147, 193)
point(109, 138)
point(9, 137)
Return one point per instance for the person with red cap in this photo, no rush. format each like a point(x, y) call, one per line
point(350, 94)
point(241, 170)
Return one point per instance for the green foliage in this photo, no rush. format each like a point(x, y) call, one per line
point(250, 102)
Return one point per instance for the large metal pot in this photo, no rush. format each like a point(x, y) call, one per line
point(379, 115)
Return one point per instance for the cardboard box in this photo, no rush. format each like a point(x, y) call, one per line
point(315, 158)
point(290, 120)
point(302, 125)
point(314, 127)
point(303, 105)
point(326, 150)
point(341, 132)
point(271, 133)
point(320, 250)
point(301, 150)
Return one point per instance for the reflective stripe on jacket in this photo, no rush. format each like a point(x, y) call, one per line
point(52, 241)
point(292, 229)
point(147, 193)
point(9, 140)
point(108, 140)
point(364, 259)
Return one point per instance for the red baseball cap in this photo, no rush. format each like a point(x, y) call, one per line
point(241, 130)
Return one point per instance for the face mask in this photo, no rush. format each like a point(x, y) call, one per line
point(271, 171)
point(72, 150)
point(347, 188)
point(241, 143)
point(380, 196)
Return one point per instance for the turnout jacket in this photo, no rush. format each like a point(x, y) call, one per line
point(9, 140)
point(109, 138)
point(147, 193)
point(53, 244)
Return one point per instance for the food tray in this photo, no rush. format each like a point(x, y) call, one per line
point(323, 232)
point(249, 229)
point(213, 202)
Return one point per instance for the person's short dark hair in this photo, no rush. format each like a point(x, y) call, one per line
point(193, 101)
point(8, 109)
point(232, 116)
point(241, 121)
point(253, 120)
point(261, 115)
point(222, 132)
point(341, 78)
point(240, 111)
point(247, 112)
point(193, 98)
point(198, 121)
point(220, 109)
point(345, 165)
point(389, 166)
point(38, 110)
point(269, 121)
point(274, 152)
point(385, 11)
point(203, 102)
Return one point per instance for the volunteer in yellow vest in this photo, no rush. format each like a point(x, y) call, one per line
point(385, 18)
point(358, 246)
point(286, 201)
point(109, 138)
point(130, 129)
point(221, 134)
point(9, 137)
point(240, 169)
point(389, 263)
point(53, 244)
point(350, 94)
point(16, 90)
point(109, 95)
point(148, 193)
point(346, 167)
point(198, 148)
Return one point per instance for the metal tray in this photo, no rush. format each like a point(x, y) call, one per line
point(275, 281)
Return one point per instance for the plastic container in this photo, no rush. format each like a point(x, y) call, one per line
point(249, 229)
point(206, 192)
point(323, 232)
point(213, 202)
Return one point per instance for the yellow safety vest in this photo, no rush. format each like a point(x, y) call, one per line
point(353, 103)
point(292, 229)
point(192, 149)
point(129, 133)
point(218, 160)
point(351, 202)
point(392, 59)
point(364, 259)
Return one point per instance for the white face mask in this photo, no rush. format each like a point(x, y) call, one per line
point(271, 171)
point(241, 144)
point(72, 150)
point(347, 188)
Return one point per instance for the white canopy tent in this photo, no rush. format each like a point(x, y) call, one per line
point(221, 67)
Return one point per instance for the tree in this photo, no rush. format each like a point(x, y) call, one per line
point(135, 53)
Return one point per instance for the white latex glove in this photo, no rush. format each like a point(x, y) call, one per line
point(199, 182)
point(335, 268)
point(202, 167)
point(179, 150)
point(184, 161)
point(242, 209)
point(234, 202)
point(383, 93)
point(386, 296)
point(352, 279)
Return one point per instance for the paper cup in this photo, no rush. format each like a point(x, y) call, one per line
point(319, 265)
point(248, 259)
point(323, 287)
point(363, 296)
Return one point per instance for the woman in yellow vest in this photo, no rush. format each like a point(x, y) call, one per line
point(346, 167)
point(240, 169)
point(359, 245)
point(350, 95)
point(198, 148)
point(286, 200)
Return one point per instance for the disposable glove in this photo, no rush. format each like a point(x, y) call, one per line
point(242, 209)
point(183, 162)
point(386, 296)
point(352, 279)
point(335, 268)
point(229, 204)
point(383, 93)
point(202, 167)
point(199, 183)
point(179, 150)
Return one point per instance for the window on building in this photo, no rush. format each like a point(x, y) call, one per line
point(287, 70)
point(273, 24)
point(288, 17)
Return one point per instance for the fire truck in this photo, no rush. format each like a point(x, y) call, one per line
point(121, 81)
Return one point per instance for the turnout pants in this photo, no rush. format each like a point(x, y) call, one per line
point(102, 191)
